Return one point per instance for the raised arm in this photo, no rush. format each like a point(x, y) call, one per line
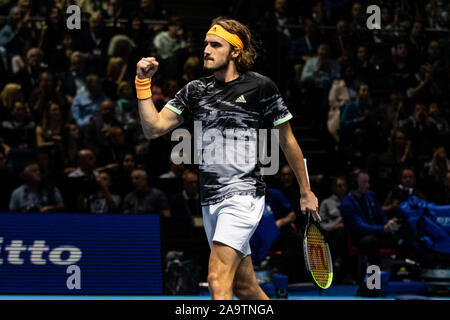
point(294, 156)
point(154, 123)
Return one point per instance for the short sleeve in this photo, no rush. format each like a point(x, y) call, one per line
point(180, 103)
point(274, 108)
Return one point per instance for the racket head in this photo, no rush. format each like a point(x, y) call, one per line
point(317, 257)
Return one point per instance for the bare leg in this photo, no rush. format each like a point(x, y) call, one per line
point(245, 286)
point(223, 263)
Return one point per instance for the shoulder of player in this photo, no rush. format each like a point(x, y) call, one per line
point(262, 79)
point(199, 83)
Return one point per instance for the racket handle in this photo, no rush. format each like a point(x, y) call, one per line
point(309, 214)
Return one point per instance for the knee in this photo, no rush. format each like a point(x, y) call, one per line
point(217, 283)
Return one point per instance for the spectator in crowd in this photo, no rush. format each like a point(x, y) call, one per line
point(19, 34)
point(126, 110)
point(33, 196)
point(86, 104)
point(364, 69)
point(49, 131)
point(401, 66)
point(417, 39)
point(12, 31)
point(101, 201)
point(95, 39)
point(115, 73)
point(342, 91)
point(277, 38)
point(358, 20)
point(49, 89)
point(422, 85)
point(28, 73)
point(167, 42)
point(401, 192)
point(191, 69)
point(437, 15)
point(10, 93)
point(145, 199)
point(171, 182)
point(435, 114)
point(60, 56)
point(187, 202)
point(358, 125)
point(364, 219)
point(305, 47)
point(6, 175)
point(86, 165)
point(114, 150)
point(290, 261)
point(49, 135)
point(81, 181)
point(342, 43)
point(74, 79)
point(115, 10)
point(290, 189)
point(391, 113)
point(399, 150)
point(185, 58)
point(18, 130)
point(422, 133)
point(71, 146)
point(122, 178)
point(317, 76)
point(151, 9)
point(95, 131)
point(186, 211)
point(52, 33)
point(439, 165)
point(139, 33)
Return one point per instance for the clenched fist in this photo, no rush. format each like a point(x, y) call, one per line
point(146, 67)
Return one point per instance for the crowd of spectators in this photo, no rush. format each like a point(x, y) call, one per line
point(70, 136)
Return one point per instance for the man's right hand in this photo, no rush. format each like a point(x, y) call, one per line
point(146, 67)
point(391, 226)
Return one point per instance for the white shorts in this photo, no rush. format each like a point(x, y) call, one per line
point(233, 221)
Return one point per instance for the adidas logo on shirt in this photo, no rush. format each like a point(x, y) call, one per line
point(241, 99)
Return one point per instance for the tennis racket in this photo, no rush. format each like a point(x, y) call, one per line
point(316, 251)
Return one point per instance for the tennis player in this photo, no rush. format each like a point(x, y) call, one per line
point(232, 99)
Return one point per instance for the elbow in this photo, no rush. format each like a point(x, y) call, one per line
point(151, 133)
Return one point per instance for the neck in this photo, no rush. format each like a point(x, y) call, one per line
point(227, 74)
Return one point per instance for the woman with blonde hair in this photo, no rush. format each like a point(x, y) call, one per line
point(115, 72)
point(11, 93)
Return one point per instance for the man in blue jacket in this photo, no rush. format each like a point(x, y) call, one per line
point(368, 226)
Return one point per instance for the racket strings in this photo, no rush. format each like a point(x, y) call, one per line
point(318, 256)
